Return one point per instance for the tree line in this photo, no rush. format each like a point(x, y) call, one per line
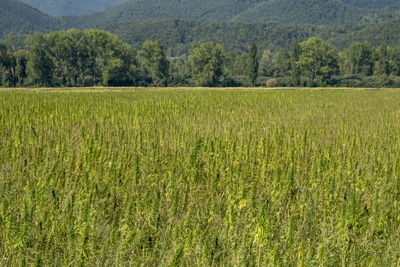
point(91, 57)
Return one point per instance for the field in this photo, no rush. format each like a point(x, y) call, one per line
point(200, 178)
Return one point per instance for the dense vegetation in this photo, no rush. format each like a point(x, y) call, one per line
point(386, 32)
point(200, 178)
point(178, 35)
point(19, 18)
point(71, 7)
point(327, 12)
point(94, 57)
point(316, 12)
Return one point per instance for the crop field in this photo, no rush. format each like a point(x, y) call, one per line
point(200, 178)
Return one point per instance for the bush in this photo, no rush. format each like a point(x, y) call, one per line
point(272, 83)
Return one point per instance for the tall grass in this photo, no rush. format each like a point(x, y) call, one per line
point(200, 178)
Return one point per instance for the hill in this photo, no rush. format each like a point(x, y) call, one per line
point(133, 10)
point(17, 17)
point(387, 32)
point(179, 34)
point(71, 7)
point(317, 12)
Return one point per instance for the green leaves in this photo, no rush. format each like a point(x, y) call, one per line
point(253, 64)
point(155, 63)
point(318, 61)
point(206, 61)
point(80, 58)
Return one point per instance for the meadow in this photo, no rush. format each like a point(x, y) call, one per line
point(200, 178)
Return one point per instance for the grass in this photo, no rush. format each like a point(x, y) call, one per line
point(200, 178)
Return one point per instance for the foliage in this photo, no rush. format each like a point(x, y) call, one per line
point(12, 64)
point(206, 62)
point(76, 58)
point(40, 66)
point(327, 12)
point(318, 12)
point(155, 62)
point(178, 35)
point(360, 58)
point(253, 63)
point(318, 61)
point(95, 57)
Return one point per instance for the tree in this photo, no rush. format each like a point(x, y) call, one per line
point(180, 72)
point(282, 62)
point(395, 61)
point(318, 61)
point(253, 64)
point(20, 67)
point(382, 65)
point(294, 66)
point(266, 67)
point(206, 61)
point(113, 61)
point(6, 64)
point(12, 64)
point(359, 58)
point(76, 58)
point(155, 62)
point(40, 66)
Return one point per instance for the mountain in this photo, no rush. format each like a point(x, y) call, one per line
point(17, 17)
point(317, 12)
point(222, 10)
point(71, 7)
point(386, 32)
point(228, 22)
point(177, 35)
point(327, 12)
point(377, 4)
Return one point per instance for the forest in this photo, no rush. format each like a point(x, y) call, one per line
point(76, 58)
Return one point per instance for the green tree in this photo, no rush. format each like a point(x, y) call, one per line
point(395, 61)
point(382, 65)
point(12, 64)
point(21, 59)
point(253, 64)
point(359, 58)
point(155, 62)
point(294, 66)
point(318, 61)
point(6, 62)
point(113, 60)
point(282, 62)
point(266, 67)
point(40, 66)
point(180, 72)
point(206, 61)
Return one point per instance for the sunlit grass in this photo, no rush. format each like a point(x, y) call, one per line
point(199, 177)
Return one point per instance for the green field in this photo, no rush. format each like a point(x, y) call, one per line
point(200, 178)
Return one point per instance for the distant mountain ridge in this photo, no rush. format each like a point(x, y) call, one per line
point(231, 29)
point(317, 12)
point(71, 7)
point(179, 34)
point(19, 18)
